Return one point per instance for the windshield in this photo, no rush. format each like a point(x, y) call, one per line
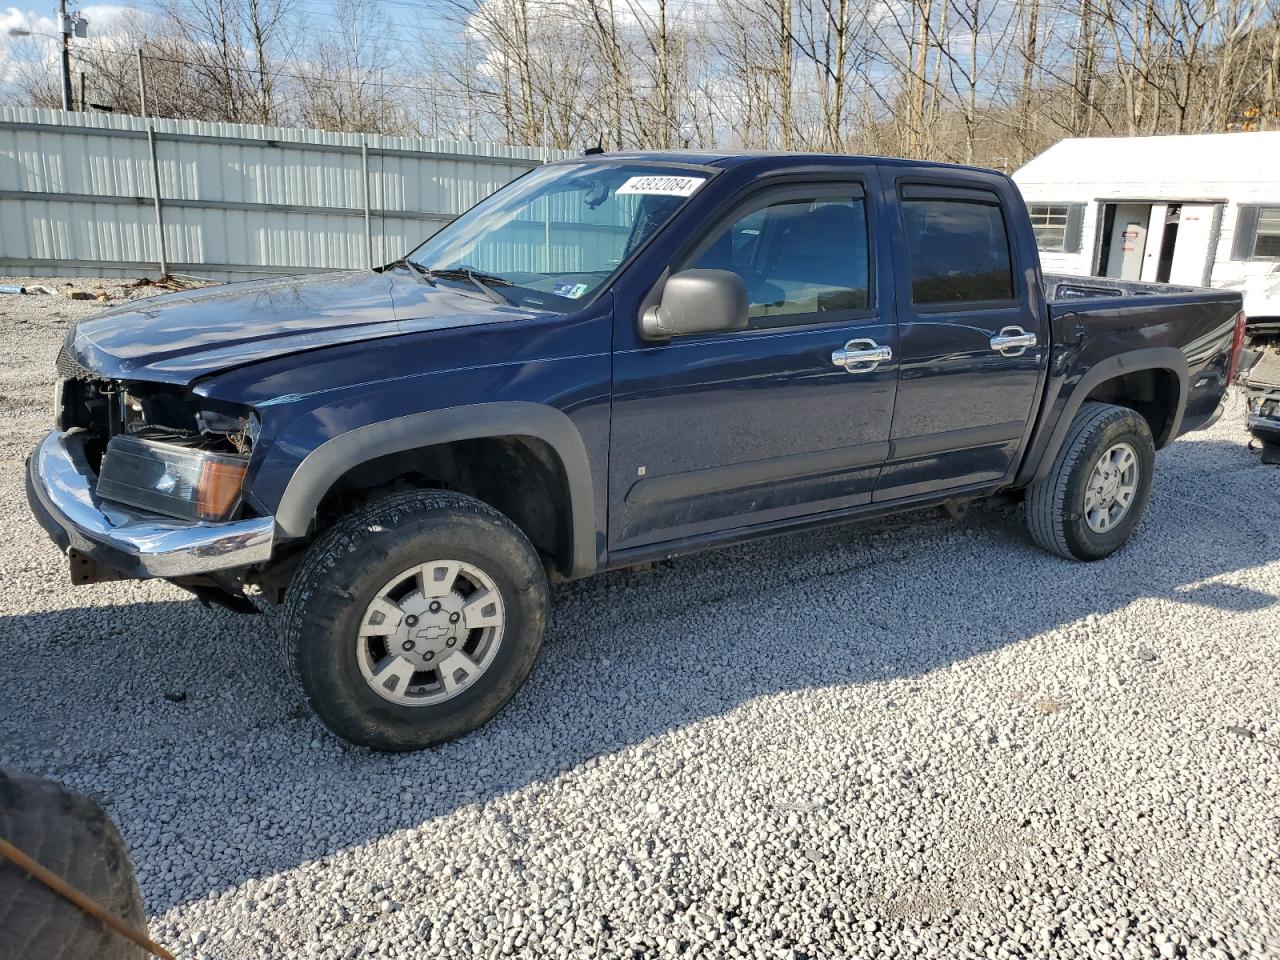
point(554, 236)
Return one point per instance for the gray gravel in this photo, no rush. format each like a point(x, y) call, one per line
point(917, 737)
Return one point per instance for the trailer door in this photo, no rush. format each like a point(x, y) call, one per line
point(1128, 241)
point(1193, 252)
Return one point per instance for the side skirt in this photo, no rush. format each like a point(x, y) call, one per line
point(678, 548)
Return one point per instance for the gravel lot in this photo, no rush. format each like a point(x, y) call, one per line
point(916, 737)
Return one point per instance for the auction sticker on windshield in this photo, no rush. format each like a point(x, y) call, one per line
point(662, 186)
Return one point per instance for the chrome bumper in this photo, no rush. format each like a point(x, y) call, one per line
point(60, 489)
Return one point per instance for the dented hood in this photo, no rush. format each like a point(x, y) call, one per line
point(180, 337)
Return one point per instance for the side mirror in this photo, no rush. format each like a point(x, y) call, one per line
point(697, 301)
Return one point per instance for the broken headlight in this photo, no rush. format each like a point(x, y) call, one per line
point(175, 454)
point(171, 479)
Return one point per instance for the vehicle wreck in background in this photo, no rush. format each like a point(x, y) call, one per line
point(1261, 380)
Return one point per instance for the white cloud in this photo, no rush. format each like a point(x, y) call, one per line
point(106, 23)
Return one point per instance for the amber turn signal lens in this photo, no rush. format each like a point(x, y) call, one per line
point(218, 488)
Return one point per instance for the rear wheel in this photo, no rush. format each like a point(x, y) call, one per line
point(1094, 495)
point(415, 619)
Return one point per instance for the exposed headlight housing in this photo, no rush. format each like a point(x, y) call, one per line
point(176, 481)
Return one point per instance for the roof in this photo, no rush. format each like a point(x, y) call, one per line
point(1149, 162)
point(731, 158)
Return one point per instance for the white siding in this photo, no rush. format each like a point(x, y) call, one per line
point(1236, 168)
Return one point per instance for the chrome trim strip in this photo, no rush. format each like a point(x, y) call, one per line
point(142, 543)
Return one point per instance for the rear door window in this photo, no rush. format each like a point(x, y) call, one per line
point(959, 250)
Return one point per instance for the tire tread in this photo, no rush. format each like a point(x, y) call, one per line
point(72, 836)
point(303, 597)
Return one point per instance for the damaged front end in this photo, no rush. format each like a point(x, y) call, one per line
point(156, 446)
point(146, 480)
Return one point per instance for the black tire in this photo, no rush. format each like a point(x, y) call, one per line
point(344, 571)
point(1055, 504)
point(72, 836)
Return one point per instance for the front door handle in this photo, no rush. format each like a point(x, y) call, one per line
point(1013, 341)
point(861, 356)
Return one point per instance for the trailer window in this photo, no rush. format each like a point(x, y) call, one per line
point(959, 251)
point(1049, 221)
point(1267, 242)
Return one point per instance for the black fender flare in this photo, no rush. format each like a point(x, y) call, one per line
point(1133, 361)
point(322, 467)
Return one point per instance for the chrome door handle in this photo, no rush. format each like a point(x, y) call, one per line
point(1013, 341)
point(861, 356)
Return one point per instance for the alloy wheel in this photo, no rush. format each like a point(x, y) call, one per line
point(430, 632)
point(1111, 488)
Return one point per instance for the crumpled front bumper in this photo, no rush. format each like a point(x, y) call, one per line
point(60, 489)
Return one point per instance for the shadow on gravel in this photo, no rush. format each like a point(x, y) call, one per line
point(229, 778)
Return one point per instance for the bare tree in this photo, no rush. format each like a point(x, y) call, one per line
point(983, 81)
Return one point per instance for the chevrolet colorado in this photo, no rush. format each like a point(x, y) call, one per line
point(613, 359)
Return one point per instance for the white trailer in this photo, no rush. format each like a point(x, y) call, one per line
point(1202, 210)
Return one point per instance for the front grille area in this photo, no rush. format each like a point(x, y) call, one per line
point(69, 369)
point(85, 399)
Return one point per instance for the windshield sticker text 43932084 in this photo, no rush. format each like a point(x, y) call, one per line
point(662, 186)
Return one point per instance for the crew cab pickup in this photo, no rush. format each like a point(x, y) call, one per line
point(613, 359)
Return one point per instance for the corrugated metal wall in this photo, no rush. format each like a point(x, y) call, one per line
point(237, 200)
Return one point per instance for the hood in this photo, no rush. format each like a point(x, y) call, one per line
point(180, 337)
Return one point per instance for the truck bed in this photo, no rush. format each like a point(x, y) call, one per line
point(1118, 317)
point(1060, 286)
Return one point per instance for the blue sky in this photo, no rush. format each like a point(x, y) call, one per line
point(399, 23)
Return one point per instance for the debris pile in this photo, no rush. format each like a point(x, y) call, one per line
point(103, 291)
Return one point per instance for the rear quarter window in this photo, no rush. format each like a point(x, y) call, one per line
point(958, 251)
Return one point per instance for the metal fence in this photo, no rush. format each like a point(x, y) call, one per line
point(110, 195)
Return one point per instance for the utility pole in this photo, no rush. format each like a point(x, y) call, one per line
point(142, 84)
point(64, 27)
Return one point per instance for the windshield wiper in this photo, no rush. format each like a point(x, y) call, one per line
point(479, 279)
point(421, 272)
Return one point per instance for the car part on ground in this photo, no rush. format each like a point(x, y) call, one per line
point(72, 838)
point(1262, 386)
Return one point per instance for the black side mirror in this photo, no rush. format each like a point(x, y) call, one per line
point(697, 301)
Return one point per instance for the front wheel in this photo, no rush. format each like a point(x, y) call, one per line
point(1095, 493)
point(415, 619)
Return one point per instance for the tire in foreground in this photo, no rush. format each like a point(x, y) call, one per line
point(73, 837)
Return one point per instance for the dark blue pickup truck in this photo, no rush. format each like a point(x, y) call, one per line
point(613, 359)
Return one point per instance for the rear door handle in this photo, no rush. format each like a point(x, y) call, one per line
point(1013, 341)
point(861, 356)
